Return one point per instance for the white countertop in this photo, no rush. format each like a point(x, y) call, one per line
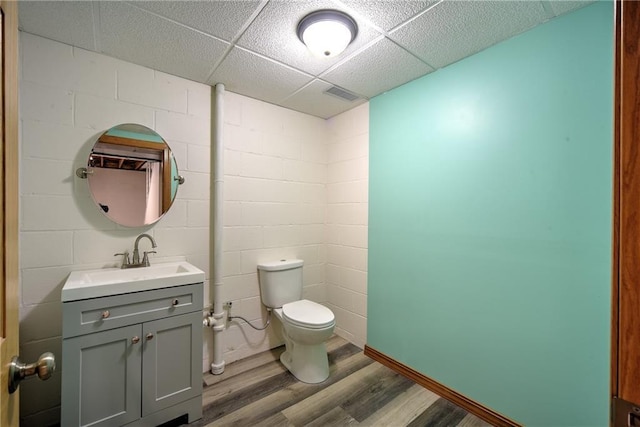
point(103, 282)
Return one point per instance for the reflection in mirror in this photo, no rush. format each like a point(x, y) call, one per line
point(131, 174)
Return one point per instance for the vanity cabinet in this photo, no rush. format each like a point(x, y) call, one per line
point(133, 359)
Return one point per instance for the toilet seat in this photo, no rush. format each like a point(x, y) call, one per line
point(308, 314)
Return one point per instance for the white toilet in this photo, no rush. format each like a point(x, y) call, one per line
point(306, 324)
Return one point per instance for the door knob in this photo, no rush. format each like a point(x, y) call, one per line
point(44, 367)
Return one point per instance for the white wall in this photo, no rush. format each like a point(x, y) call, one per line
point(347, 214)
point(274, 208)
point(68, 97)
point(295, 186)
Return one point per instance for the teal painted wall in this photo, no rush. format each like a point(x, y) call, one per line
point(490, 223)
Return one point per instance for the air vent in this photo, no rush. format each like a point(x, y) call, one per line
point(341, 93)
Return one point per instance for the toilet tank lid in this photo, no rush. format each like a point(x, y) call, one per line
point(283, 264)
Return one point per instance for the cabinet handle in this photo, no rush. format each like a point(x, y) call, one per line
point(175, 302)
point(135, 339)
point(149, 336)
point(105, 314)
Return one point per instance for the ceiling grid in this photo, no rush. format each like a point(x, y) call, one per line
point(251, 46)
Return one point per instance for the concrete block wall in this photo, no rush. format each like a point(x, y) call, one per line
point(275, 172)
point(347, 219)
point(68, 97)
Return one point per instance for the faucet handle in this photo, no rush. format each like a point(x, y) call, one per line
point(125, 258)
point(145, 258)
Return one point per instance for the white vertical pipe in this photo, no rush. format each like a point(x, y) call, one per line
point(217, 184)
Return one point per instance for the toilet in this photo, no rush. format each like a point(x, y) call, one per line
point(306, 325)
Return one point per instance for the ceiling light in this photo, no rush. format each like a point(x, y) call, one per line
point(327, 32)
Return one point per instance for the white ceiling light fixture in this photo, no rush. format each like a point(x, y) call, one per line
point(327, 33)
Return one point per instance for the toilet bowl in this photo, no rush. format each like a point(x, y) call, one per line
point(306, 325)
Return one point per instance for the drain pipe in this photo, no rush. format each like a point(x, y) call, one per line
point(217, 319)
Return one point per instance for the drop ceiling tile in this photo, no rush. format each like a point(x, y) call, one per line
point(452, 30)
point(273, 34)
point(562, 7)
point(157, 35)
point(252, 75)
point(222, 19)
point(387, 14)
point(69, 22)
point(129, 33)
point(378, 68)
point(312, 100)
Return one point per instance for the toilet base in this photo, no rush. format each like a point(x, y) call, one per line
point(308, 363)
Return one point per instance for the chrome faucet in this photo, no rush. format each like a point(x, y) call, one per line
point(136, 254)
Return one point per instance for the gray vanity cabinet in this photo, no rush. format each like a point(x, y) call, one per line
point(133, 359)
point(168, 370)
point(103, 387)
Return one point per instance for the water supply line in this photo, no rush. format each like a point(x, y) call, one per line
point(217, 319)
point(257, 328)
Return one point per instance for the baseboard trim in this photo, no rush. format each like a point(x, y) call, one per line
point(442, 390)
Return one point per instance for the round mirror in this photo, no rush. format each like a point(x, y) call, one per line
point(133, 176)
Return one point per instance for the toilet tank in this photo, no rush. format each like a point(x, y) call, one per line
point(280, 282)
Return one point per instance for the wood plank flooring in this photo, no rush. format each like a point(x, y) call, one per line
point(259, 391)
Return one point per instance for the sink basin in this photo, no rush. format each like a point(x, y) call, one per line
point(113, 281)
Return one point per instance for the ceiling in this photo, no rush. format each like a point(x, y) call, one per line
point(252, 48)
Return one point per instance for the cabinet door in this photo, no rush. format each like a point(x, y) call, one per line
point(172, 361)
point(101, 377)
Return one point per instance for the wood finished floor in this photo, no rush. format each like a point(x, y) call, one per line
point(259, 391)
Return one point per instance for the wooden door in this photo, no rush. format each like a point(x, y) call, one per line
point(625, 355)
point(9, 408)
